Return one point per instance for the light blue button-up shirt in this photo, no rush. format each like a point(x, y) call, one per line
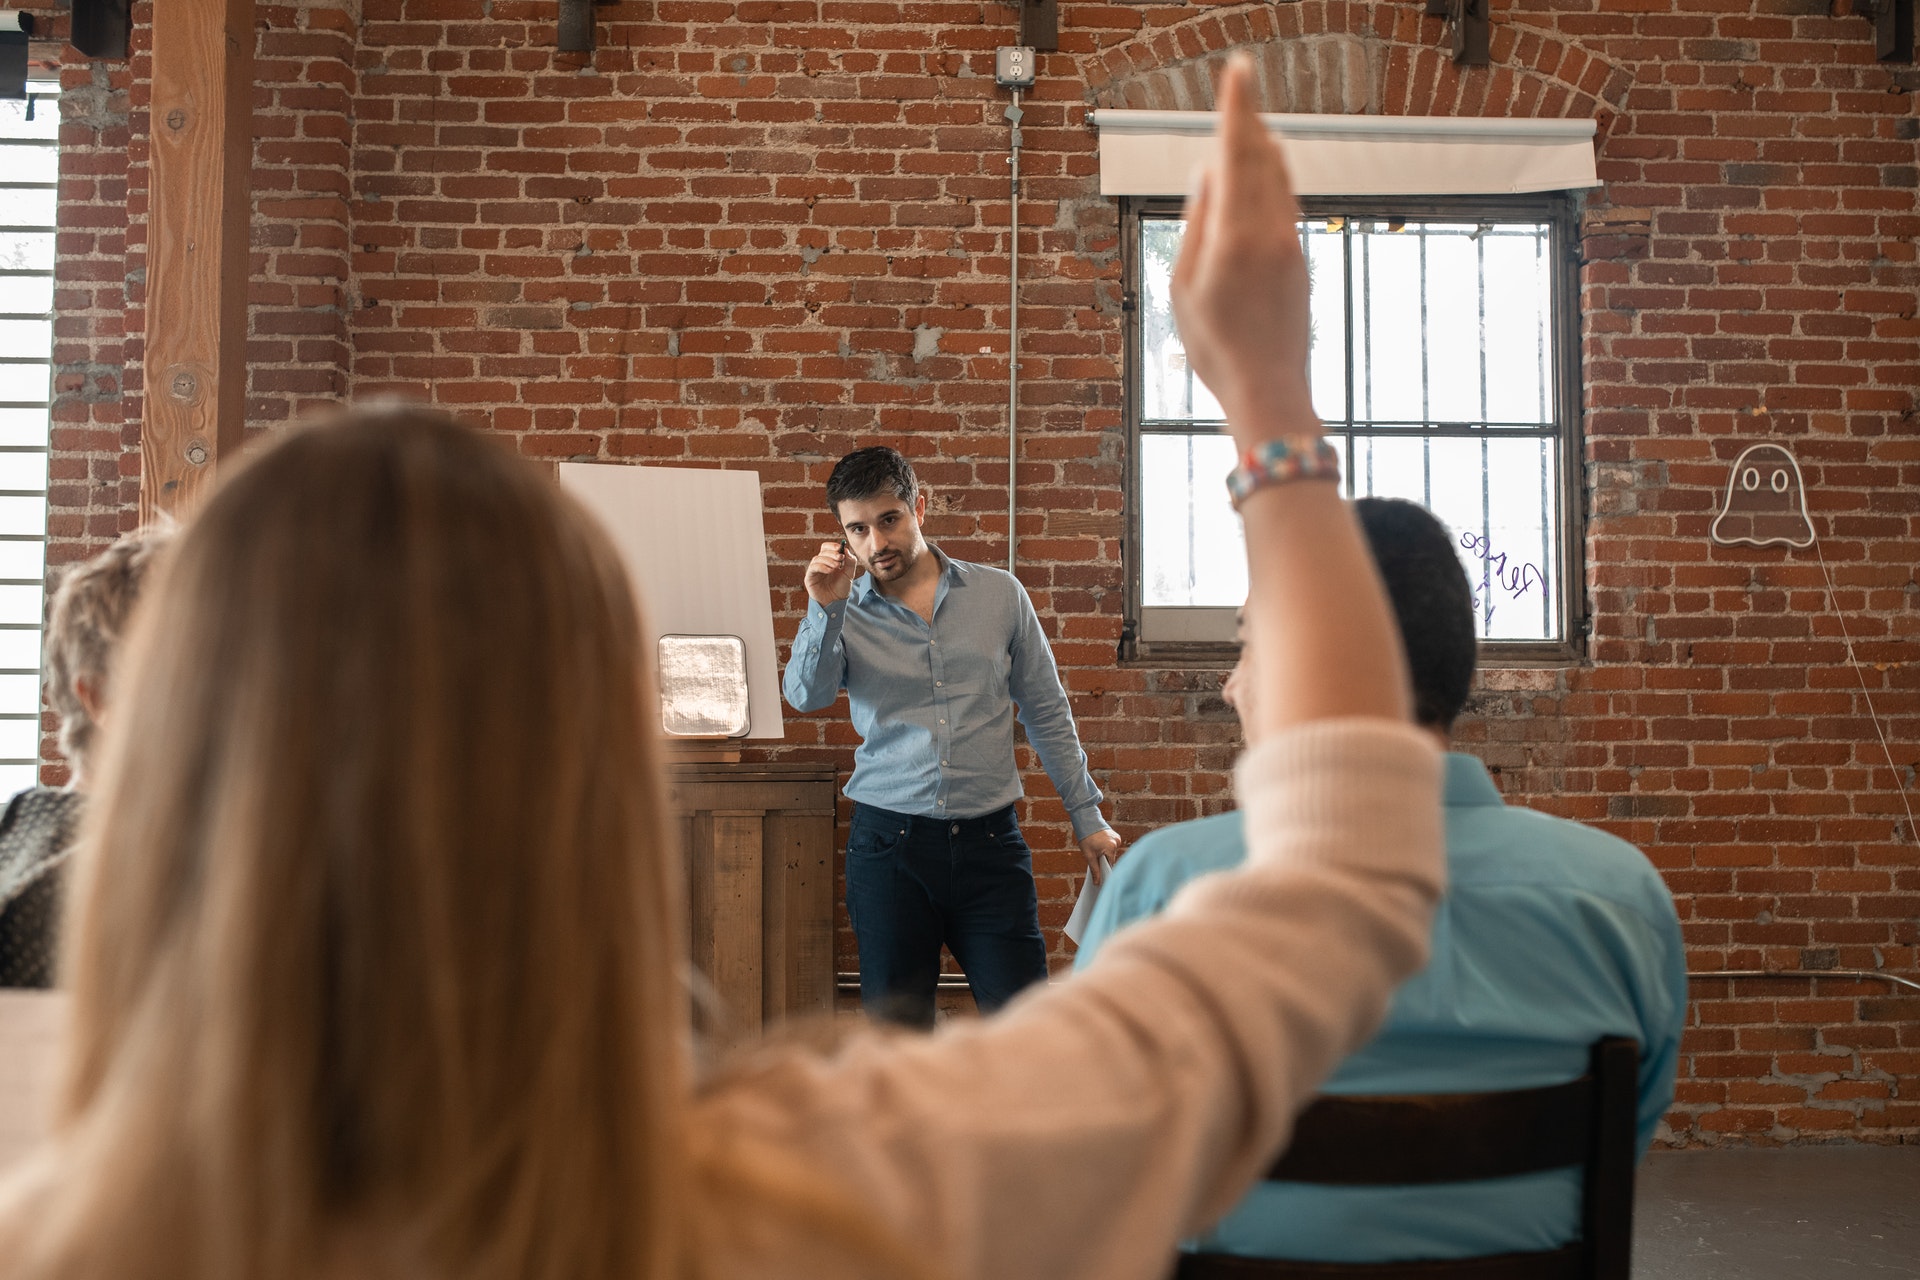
point(1550, 935)
point(934, 703)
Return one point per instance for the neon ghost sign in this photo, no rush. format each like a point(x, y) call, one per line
point(1766, 501)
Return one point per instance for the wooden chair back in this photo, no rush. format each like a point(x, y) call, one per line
point(1418, 1140)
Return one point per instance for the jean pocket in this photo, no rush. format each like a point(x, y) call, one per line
point(874, 841)
point(1009, 838)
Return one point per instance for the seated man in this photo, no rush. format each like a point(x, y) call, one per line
point(1550, 936)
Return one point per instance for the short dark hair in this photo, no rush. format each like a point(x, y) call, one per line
point(1432, 602)
point(866, 472)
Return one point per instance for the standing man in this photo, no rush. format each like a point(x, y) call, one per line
point(936, 656)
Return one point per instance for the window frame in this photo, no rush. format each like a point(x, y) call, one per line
point(41, 95)
point(1561, 211)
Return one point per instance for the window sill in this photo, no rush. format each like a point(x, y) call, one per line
point(1210, 656)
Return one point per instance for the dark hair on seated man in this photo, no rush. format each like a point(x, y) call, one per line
point(1432, 601)
point(866, 472)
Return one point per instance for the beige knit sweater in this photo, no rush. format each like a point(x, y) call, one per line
point(1081, 1132)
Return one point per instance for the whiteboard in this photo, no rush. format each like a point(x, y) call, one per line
point(696, 549)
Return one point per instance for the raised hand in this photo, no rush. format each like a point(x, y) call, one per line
point(830, 573)
point(1321, 642)
point(1240, 285)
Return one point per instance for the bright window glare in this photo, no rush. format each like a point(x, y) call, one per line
point(1196, 553)
point(29, 166)
point(1448, 357)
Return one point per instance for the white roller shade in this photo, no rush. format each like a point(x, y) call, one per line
point(1152, 153)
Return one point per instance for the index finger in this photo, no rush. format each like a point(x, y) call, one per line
point(1241, 133)
point(1249, 151)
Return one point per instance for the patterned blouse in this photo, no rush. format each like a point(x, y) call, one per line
point(36, 835)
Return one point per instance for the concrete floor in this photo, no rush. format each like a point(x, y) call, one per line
point(1792, 1213)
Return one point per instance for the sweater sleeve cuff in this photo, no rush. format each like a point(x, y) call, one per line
point(1362, 793)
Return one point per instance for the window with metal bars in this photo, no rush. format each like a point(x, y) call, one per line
point(1444, 366)
point(29, 176)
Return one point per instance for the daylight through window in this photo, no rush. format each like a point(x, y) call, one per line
point(1437, 349)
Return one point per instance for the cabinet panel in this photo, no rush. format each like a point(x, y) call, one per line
point(758, 841)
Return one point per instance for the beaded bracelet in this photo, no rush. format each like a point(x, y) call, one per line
point(1281, 462)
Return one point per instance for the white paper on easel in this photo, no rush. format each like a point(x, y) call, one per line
point(1083, 905)
point(695, 547)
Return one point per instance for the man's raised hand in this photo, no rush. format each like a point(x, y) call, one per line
point(830, 574)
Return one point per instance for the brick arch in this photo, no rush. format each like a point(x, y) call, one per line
point(1338, 58)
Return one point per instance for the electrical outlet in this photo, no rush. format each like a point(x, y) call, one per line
point(1013, 67)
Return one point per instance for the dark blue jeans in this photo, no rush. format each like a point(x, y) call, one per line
point(916, 883)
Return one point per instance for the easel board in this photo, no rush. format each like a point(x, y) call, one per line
point(695, 546)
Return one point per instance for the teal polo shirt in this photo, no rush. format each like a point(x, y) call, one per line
point(1551, 935)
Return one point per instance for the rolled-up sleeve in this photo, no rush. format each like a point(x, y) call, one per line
point(817, 667)
point(1035, 685)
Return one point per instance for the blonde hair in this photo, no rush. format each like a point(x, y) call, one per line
point(376, 938)
point(86, 618)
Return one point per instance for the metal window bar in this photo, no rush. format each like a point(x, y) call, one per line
point(41, 357)
point(1486, 452)
point(1367, 427)
point(1346, 402)
point(1426, 379)
point(1366, 302)
point(1549, 516)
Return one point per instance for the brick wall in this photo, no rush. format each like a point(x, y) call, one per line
point(94, 466)
point(301, 239)
point(760, 234)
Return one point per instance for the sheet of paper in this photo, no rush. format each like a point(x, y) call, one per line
point(1083, 905)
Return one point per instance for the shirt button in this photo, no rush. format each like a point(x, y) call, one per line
point(956, 828)
point(943, 722)
point(939, 684)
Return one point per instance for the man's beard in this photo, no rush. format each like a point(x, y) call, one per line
point(890, 565)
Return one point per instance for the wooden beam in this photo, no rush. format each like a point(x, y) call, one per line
point(196, 325)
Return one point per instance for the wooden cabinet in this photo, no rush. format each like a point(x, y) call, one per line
point(759, 848)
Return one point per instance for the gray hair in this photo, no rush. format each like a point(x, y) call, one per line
point(85, 622)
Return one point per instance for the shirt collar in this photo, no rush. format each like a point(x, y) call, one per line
point(1469, 785)
point(952, 570)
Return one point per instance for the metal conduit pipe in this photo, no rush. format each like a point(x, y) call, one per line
point(1013, 326)
point(1854, 975)
point(956, 982)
